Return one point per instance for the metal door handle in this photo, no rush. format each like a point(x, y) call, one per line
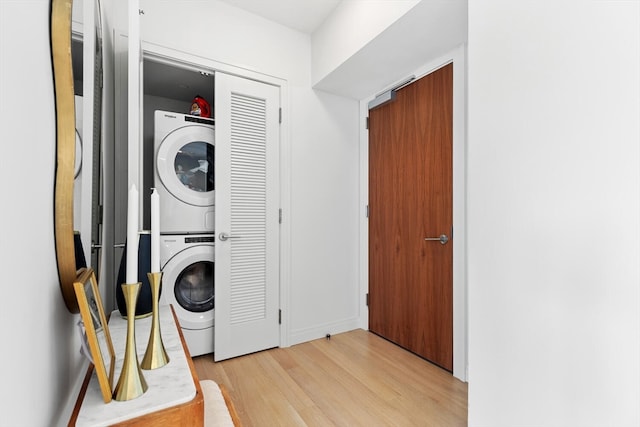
point(225, 236)
point(443, 239)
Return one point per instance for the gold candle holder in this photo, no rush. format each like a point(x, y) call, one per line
point(156, 355)
point(131, 383)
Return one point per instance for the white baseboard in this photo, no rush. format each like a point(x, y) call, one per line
point(303, 335)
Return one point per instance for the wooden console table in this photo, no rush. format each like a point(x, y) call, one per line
point(174, 396)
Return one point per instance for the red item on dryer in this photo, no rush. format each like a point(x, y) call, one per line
point(200, 107)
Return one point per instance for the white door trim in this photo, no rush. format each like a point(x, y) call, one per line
point(460, 308)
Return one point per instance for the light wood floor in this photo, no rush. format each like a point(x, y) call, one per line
point(353, 379)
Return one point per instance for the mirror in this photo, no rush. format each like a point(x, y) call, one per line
point(77, 186)
point(87, 62)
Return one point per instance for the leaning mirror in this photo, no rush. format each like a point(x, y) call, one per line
point(77, 185)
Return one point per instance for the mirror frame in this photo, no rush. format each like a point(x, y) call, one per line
point(65, 149)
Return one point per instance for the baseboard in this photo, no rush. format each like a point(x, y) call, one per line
point(308, 334)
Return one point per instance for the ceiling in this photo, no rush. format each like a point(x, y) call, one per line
point(302, 15)
point(175, 82)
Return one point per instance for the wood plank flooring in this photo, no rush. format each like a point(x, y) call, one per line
point(353, 379)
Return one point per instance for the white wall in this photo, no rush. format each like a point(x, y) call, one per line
point(320, 152)
point(40, 359)
point(391, 52)
point(350, 26)
point(554, 213)
point(324, 215)
point(41, 364)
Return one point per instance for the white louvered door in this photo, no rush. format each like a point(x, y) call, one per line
point(247, 204)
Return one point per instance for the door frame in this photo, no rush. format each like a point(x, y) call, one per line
point(170, 55)
point(460, 309)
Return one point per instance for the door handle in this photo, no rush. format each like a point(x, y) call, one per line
point(443, 239)
point(225, 236)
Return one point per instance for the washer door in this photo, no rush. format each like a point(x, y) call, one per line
point(188, 284)
point(185, 161)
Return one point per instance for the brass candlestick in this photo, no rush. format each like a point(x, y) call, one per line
point(156, 355)
point(131, 383)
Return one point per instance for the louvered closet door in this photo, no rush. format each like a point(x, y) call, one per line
point(247, 203)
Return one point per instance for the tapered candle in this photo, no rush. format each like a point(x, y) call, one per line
point(132, 236)
point(155, 231)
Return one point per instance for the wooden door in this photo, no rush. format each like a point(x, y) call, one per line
point(410, 199)
point(247, 216)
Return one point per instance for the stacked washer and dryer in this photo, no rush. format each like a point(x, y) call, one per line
point(184, 178)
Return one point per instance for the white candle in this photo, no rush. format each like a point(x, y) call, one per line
point(132, 236)
point(155, 231)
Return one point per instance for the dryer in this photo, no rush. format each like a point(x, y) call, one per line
point(184, 148)
point(187, 263)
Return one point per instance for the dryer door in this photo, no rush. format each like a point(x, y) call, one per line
point(185, 160)
point(188, 284)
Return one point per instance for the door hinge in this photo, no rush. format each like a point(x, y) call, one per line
point(279, 317)
point(367, 298)
point(367, 211)
point(280, 115)
point(366, 126)
point(280, 216)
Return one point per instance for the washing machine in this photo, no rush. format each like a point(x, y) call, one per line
point(187, 263)
point(184, 172)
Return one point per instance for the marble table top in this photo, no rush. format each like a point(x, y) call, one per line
point(168, 386)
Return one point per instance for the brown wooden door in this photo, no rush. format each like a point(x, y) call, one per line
point(410, 199)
